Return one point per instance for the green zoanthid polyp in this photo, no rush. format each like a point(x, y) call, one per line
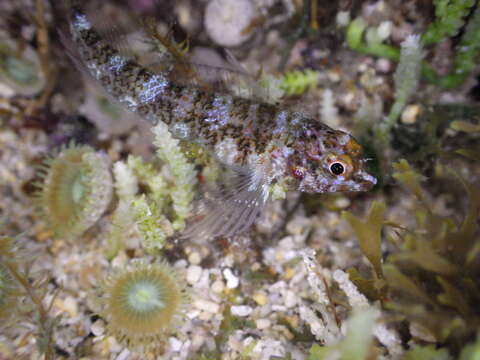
point(76, 190)
point(143, 302)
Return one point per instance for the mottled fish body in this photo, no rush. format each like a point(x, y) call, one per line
point(261, 143)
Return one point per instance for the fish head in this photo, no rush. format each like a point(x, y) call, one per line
point(328, 161)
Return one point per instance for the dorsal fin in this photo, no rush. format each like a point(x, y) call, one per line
point(231, 79)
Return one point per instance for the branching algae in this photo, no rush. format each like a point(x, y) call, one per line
point(165, 203)
point(22, 298)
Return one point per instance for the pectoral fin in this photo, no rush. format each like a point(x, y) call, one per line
point(232, 208)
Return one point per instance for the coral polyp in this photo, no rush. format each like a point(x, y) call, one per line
point(142, 303)
point(76, 191)
point(20, 72)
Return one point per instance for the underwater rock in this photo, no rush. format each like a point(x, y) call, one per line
point(226, 20)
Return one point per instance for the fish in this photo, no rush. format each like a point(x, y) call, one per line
point(259, 144)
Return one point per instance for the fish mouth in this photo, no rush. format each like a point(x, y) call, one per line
point(365, 181)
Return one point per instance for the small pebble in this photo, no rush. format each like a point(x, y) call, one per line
point(69, 305)
point(293, 321)
point(297, 226)
point(194, 274)
point(343, 18)
point(287, 243)
point(290, 299)
point(226, 20)
point(180, 264)
point(289, 273)
point(384, 30)
point(410, 114)
point(194, 258)
point(124, 355)
point(263, 324)
point(260, 298)
point(205, 305)
point(98, 327)
point(256, 266)
point(241, 310)
point(334, 76)
point(120, 260)
point(175, 344)
point(279, 308)
point(205, 316)
point(383, 65)
point(232, 280)
point(218, 286)
point(198, 340)
point(6, 91)
point(342, 202)
point(193, 313)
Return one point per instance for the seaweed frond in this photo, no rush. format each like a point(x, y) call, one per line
point(152, 225)
point(449, 18)
point(407, 75)
point(369, 234)
point(182, 191)
point(300, 81)
point(468, 51)
point(165, 203)
point(122, 223)
point(21, 297)
point(9, 293)
point(430, 273)
point(355, 33)
point(431, 352)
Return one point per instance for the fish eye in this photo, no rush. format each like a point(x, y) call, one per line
point(337, 168)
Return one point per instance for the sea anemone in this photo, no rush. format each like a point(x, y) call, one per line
point(20, 72)
point(76, 190)
point(107, 115)
point(142, 303)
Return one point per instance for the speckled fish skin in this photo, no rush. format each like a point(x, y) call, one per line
point(277, 145)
